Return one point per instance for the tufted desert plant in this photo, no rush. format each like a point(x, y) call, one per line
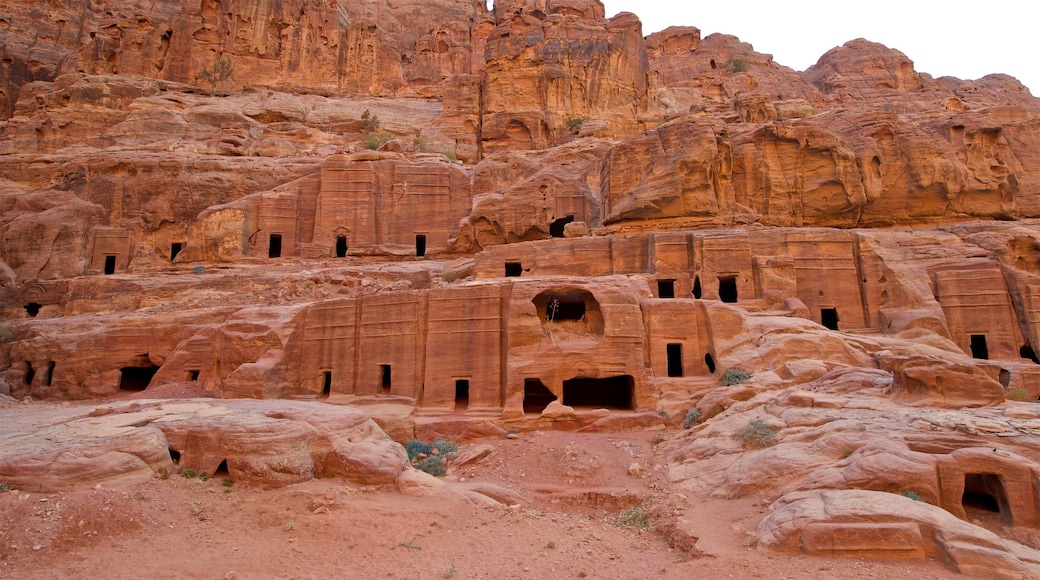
point(736, 377)
point(693, 416)
point(757, 435)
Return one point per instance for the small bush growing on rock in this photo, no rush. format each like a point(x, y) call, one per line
point(757, 435)
point(736, 65)
point(635, 517)
point(220, 70)
point(1017, 394)
point(377, 139)
point(433, 465)
point(736, 377)
point(189, 473)
point(4, 487)
point(227, 482)
point(693, 416)
point(416, 448)
point(911, 495)
point(443, 446)
point(369, 122)
point(6, 335)
point(574, 124)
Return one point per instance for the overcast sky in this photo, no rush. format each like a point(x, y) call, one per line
point(949, 38)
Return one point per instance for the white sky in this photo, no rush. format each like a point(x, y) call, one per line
point(965, 39)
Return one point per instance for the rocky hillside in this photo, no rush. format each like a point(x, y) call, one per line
point(533, 217)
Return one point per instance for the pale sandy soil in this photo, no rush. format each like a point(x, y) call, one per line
point(575, 487)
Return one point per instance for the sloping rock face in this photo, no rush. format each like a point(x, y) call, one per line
point(265, 442)
point(528, 218)
point(369, 47)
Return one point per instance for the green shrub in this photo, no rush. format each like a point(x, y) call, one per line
point(189, 473)
point(369, 122)
point(756, 435)
point(227, 482)
point(377, 139)
point(4, 487)
point(433, 465)
point(911, 495)
point(450, 155)
point(443, 446)
point(421, 143)
point(220, 70)
point(693, 416)
point(634, 517)
point(1017, 394)
point(736, 65)
point(735, 377)
point(416, 448)
point(573, 124)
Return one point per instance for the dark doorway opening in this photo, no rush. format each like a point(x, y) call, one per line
point(222, 470)
point(326, 386)
point(985, 492)
point(674, 352)
point(341, 247)
point(570, 306)
point(829, 318)
point(175, 456)
point(666, 288)
point(110, 265)
point(193, 375)
point(384, 378)
point(274, 246)
point(30, 373)
point(461, 394)
point(697, 292)
point(514, 269)
point(556, 228)
point(175, 248)
point(136, 378)
point(1005, 378)
point(1027, 352)
point(712, 63)
point(728, 289)
point(32, 309)
point(50, 373)
point(710, 363)
point(420, 246)
point(611, 393)
point(536, 396)
point(978, 347)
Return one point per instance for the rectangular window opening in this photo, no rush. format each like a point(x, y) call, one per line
point(461, 394)
point(110, 265)
point(728, 289)
point(829, 318)
point(420, 246)
point(193, 375)
point(675, 366)
point(326, 388)
point(384, 378)
point(978, 347)
point(666, 288)
point(274, 247)
point(175, 248)
point(341, 247)
point(514, 269)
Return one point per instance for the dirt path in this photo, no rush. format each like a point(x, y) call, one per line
point(575, 488)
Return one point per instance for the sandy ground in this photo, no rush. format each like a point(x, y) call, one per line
point(575, 487)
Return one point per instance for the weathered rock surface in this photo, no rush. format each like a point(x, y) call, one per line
point(265, 442)
point(869, 523)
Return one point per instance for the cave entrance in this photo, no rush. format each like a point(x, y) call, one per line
point(709, 362)
point(556, 228)
point(50, 373)
point(985, 492)
point(175, 248)
point(514, 269)
point(222, 470)
point(32, 309)
point(341, 247)
point(137, 375)
point(461, 394)
point(666, 288)
point(611, 393)
point(536, 396)
point(110, 265)
point(829, 318)
point(30, 373)
point(274, 246)
point(1027, 352)
point(674, 352)
point(978, 347)
point(697, 292)
point(384, 378)
point(193, 375)
point(420, 246)
point(175, 456)
point(570, 306)
point(728, 289)
point(326, 386)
